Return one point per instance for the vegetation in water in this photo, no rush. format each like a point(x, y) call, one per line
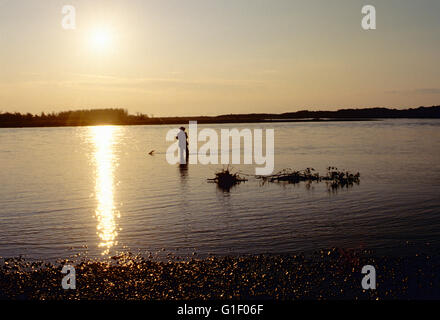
point(225, 179)
point(334, 178)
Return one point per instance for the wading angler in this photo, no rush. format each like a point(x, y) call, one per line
point(254, 150)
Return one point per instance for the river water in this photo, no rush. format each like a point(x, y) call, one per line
point(95, 191)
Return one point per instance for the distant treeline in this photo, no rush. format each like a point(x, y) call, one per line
point(121, 117)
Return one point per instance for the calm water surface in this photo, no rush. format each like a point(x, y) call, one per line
point(95, 191)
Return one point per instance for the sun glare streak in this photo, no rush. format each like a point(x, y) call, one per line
point(106, 213)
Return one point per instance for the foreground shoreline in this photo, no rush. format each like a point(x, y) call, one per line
point(328, 274)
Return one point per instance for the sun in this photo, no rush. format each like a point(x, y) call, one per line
point(101, 39)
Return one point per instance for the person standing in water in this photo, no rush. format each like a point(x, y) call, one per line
point(183, 145)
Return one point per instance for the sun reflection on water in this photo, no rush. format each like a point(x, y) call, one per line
point(105, 162)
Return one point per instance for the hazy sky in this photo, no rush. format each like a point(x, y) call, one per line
point(191, 57)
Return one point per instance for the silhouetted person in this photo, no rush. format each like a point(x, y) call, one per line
point(183, 145)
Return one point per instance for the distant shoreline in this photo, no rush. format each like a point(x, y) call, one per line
point(96, 117)
point(183, 122)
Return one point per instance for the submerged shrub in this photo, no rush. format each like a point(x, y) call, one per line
point(225, 179)
point(334, 178)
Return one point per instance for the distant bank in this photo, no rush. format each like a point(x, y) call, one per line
point(121, 117)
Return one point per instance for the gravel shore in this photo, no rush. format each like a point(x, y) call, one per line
point(327, 274)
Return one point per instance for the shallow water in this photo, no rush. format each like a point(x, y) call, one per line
point(96, 191)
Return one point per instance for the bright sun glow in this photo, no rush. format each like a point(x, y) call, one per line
point(101, 39)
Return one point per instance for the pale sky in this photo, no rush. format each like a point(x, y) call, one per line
point(209, 57)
